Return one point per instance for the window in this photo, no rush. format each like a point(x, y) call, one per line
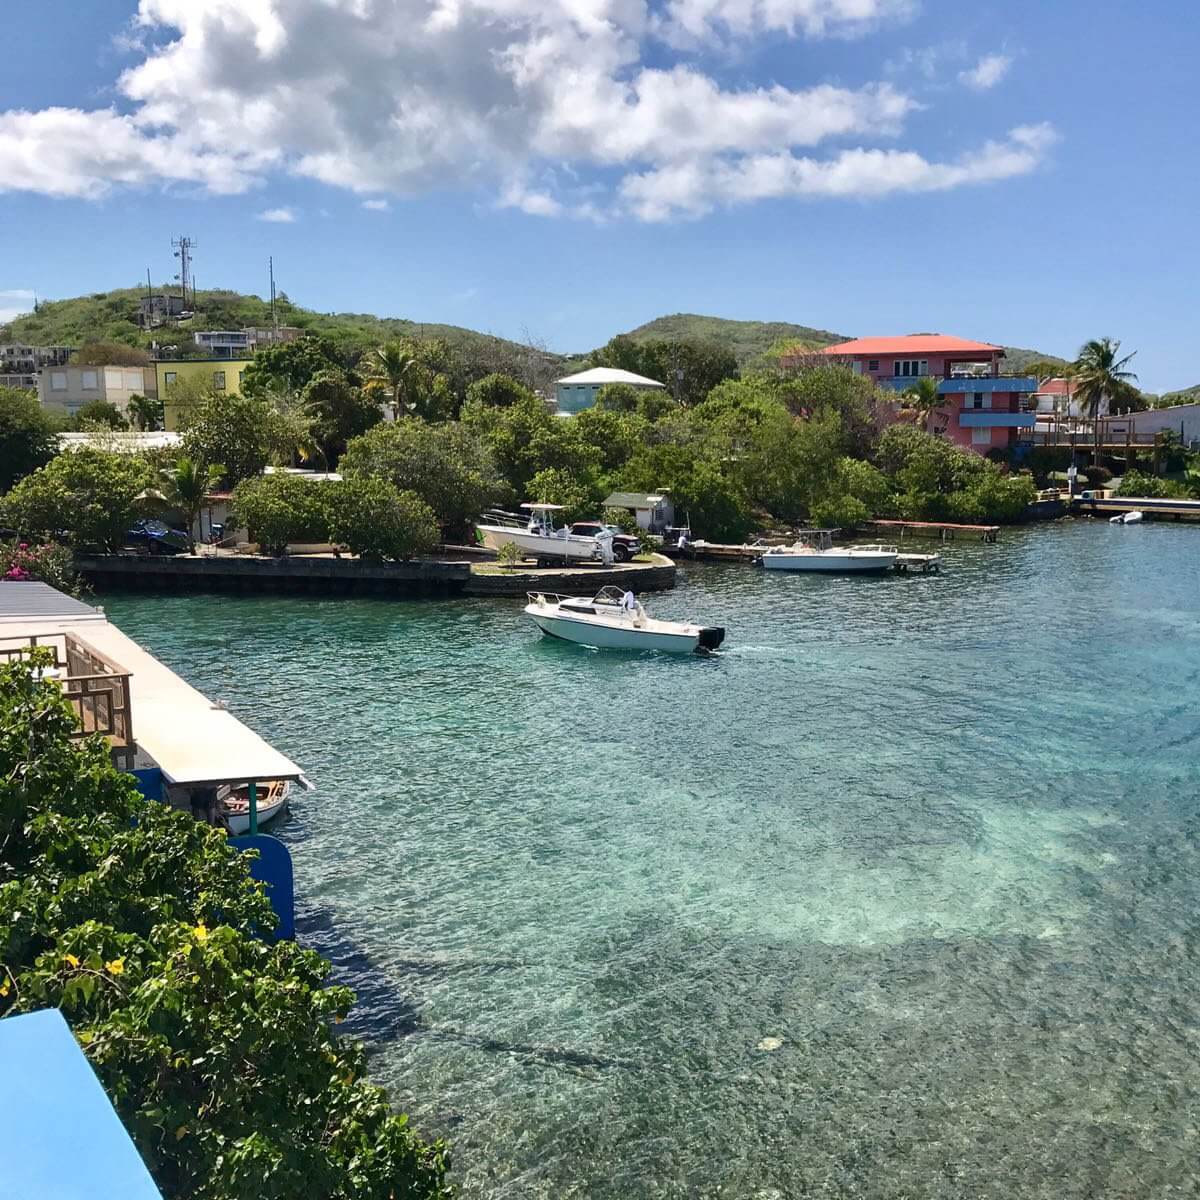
point(985, 399)
point(168, 378)
point(89, 381)
point(981, 437)
point(873, 364)
point(58, 381)
point(907, 368)
point(241, 379)
point(219, 380)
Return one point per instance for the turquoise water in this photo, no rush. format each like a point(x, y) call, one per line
point(897, 896)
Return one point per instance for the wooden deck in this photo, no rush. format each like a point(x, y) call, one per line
point(944, 530)
point(1176, 510)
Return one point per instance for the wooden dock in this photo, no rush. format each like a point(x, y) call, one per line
point(1172, 509)
point(944, 530)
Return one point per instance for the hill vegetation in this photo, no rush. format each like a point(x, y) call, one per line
point(112, 317)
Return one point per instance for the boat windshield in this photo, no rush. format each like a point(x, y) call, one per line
point(815, 539)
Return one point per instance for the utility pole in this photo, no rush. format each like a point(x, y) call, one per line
point(183, 247)
point(274, 318)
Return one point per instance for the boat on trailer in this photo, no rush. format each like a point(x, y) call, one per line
point(614, 620)
point(813, 550)
point(536, 536)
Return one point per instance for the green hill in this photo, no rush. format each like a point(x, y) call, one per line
point(749, 340)
point(112, 316)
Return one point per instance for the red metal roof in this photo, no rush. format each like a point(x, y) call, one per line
point(913, 343)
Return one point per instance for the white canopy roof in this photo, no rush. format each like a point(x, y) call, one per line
point(599, 376)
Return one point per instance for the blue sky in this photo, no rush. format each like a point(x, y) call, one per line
point(1019, 172)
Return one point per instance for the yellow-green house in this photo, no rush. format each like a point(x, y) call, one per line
point(189, 377)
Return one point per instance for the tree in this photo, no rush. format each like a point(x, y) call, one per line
point(143, 926)
point(186, 485)
point(379, 521)
point(579, 497)
point(497, 391)
point(689, 369)
point(100, 412)
point(232, 430)
point(89, 496)
point(715, 505)
point(145, 412)
point(397, 367)
point(289, 366)
point(337, 411)
point(280, 508)
point(447, 466)
point(106, 354)
point(924, 398)
point(1101, 378)
point(28, 436)
point(618, 397)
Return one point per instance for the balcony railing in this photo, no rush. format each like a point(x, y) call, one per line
point(95, 687)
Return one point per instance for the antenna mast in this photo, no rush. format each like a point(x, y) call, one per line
point(183, 247)
point(274, 318)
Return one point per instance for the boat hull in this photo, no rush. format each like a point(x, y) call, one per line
point(534, 545)
point(610, 637)
point(830, 564)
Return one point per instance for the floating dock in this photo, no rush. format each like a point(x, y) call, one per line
point(918, 564)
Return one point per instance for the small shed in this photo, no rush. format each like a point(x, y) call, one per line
point(574, 393)
point(653, 511)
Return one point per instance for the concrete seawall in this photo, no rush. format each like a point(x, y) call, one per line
point(658, 575)
point(288, 576)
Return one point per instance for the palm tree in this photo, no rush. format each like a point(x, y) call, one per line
point(395, 366)
point(186, 485)
point(145, 412)
point(924, 399)
point(1101, 377)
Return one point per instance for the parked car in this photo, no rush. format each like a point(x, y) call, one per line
point(157, 538)
point(625, 545)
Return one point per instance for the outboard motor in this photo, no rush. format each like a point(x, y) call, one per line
point(604, 543)
point(711, 636)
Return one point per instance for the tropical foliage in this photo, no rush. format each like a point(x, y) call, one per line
point(279, 509)
point(235, 431)
point(143, 926)
point(1102, 377)
point(88, 497)
point(28, 435)
point(45, 562)
point(377, 520)
point(186, 484)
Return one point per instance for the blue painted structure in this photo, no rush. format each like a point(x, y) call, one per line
point(273, 866)
point(983, 418)
point(149, 782)
point(60, 1138)
point(957, 385)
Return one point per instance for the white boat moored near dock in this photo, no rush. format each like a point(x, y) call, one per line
point(614, 620)
point(1129, 518)
point(813, 550)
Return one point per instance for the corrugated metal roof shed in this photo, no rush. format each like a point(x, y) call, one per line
point(23, 601)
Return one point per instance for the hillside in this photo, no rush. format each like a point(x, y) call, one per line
point(111, 316)
point(1189, 395)
point(749, 340)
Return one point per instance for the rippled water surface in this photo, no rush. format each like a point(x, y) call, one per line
point(895, 897)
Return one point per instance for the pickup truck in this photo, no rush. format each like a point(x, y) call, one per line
point(624, 546)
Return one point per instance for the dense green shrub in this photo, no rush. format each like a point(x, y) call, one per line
point(839, 512)
point(378, 521)
point(280, 508)
point(27, 435)
point(1150, 487)
point(497, 391)
point(99, 413)
point(87, 496)
point(447, 466)
point(216, 1048)
point(232, 430)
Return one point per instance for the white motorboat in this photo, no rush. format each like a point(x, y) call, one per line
point(813, 550)
point(271, 801)
point(1129, 518)
point(537, 538)
point(613, 620)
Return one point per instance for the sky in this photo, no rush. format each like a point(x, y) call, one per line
point(1015, 171)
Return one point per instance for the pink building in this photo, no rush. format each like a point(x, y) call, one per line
point(983, 410)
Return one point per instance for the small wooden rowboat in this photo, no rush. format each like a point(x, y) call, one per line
point(272, 801)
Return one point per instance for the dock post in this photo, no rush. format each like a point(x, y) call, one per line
point(253, 795)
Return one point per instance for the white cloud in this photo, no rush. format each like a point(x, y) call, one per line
point(693, 189)
point(14, 302)
point(376, 205)
point(279, 216)
point(589, 98)
point(987, 72)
